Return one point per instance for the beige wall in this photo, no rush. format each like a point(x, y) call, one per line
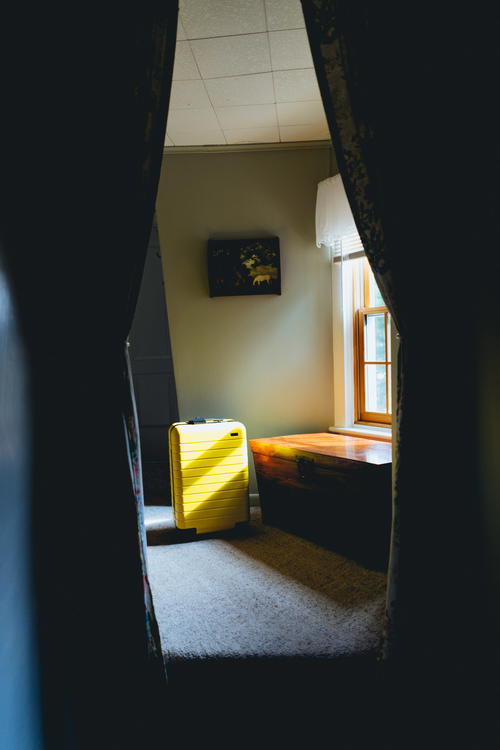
point(264, 360)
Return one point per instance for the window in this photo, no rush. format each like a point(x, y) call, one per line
point(372, 351)
point(361, 343)
point(361, 322)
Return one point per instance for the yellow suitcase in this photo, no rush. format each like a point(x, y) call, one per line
point(209, 474)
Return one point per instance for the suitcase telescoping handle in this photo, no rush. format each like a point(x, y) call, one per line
point(204, 420)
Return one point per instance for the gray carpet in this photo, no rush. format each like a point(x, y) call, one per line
point(269, 639)
point(259, 592)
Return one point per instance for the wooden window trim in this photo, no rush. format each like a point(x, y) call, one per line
point(363, 416)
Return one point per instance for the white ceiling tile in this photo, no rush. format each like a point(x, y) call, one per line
point(254, 116)
point(252, 135)
point(239, 90)
point(284, 14)
point(184, 64)
point(181, 34)
point(191, 120)
point(296, 85)
point(301, 113)
point(189, 94)
point(202, 138)
point(232, 55)
point(304, 133)
point(290, 49)
point(211, 18)
point(232, 52)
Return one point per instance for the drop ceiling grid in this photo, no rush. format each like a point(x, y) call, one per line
point(272, 73)
point(203, 80)
point(240, 110)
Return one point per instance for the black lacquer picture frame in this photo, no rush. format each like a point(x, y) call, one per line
point(244, 267)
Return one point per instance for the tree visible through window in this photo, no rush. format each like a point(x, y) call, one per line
point(372, 346)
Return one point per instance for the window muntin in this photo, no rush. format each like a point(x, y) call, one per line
point(372, 353)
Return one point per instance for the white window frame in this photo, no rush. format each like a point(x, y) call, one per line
point(345, 299)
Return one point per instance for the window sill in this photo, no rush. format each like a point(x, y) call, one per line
point(376, 433)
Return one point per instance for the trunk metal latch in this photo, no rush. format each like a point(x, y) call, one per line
point(306, 468)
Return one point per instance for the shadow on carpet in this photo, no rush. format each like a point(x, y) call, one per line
point(260, 627)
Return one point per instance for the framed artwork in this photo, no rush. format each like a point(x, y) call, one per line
point(238, 267)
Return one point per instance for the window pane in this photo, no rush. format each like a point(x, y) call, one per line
point(375, 379)
point(388, 338)
point(390, 388)
point(375, 337)
point(376, 299)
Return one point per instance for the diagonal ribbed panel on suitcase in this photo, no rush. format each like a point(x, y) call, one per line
point(209, 474)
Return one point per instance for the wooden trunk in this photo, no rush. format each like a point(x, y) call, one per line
point(333, 489)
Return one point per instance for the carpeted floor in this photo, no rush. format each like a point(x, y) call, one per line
point(260, 617)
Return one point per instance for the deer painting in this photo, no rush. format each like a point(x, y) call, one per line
point(261, 278)
point(244, 266)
